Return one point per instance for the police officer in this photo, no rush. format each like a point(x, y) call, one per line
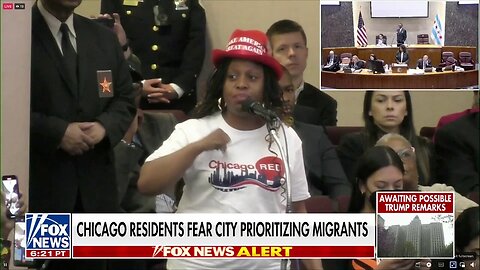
point(169, 38)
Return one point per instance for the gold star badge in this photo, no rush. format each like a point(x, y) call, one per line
point(106, 85)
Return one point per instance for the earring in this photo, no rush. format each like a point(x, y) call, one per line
point(220, 104)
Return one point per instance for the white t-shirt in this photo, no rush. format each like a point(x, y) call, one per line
point(243, 179)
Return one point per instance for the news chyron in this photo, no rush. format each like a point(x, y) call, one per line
point(48, 236)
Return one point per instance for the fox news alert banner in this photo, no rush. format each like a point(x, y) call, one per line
point(200, 235)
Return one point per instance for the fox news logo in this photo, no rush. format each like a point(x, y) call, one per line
point(48, 235)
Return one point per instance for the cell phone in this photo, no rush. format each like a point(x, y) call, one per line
point(12, 194)
point(108, 22)
point(20, 244)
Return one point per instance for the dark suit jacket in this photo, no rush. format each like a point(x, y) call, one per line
point(457, 149)
point(336, 59)
point(324, 172)
point(305, 114)
point(155, 128)
point(56, 177)
point(336, 63)
point(180, 44)
point(325, 105)
point(401, 36)
point(420, 63)
point(353, 145)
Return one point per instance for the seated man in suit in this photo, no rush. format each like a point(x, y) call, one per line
point(333, 62)
point(289, 48)
point(325, 174)
point(424, 62)
point(357, 63)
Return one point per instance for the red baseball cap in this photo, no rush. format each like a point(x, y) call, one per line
point(249, 45)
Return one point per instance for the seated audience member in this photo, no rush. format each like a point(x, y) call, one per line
point(325, 174)
point(454, 116)
point(357, 63)
point(381, 41)
point(146, 133)
point(386, 112)
point(222, 132)
point(406, 152)
point(289, 47)
point(333, 62)
point(458, 156)
point(379, 169)
point(467, 231)
point(6, 226)
point(402, 55)
point(424, 62)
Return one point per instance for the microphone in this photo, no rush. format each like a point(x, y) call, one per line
point(393, 39)
point(256, 108)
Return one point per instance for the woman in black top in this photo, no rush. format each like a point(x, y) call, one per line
point(402, 55)
point(386, 112)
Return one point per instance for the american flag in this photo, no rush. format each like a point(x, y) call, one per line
point(362, 39)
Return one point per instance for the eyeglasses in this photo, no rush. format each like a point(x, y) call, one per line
point(407, 153)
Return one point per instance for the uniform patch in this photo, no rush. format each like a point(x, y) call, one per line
point(105, 84)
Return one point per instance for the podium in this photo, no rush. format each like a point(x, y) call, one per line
point(399, 68)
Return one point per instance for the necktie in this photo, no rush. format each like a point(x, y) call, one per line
point(69, 54)
point(424, 64)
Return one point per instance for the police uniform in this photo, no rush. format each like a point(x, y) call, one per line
point(169, 38)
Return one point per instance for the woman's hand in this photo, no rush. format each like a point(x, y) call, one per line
point(217, 140)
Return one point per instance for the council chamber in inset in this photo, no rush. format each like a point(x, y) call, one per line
point(399, 44)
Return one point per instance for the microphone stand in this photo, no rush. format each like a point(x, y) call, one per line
point(394, 38)
point(272, 127)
